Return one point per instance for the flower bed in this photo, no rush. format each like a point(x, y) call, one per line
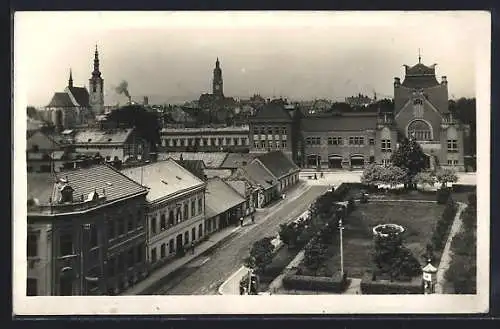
point(335, 283)
point(377, 286)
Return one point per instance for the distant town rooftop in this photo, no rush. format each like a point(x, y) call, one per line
point(244, 128)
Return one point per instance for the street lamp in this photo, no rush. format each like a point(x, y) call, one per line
point(341, 228)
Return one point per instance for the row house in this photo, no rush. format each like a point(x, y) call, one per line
point(175, 208)
point(210, 139)
point(86, 232)
point(224, 205)
point(272, 174)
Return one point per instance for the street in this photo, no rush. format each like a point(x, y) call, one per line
point(204, 274)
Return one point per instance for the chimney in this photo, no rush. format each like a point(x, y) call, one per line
point(444, 81)
point(397, 82)
point(146, 101)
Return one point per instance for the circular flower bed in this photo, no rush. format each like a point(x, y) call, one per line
point(385, 230)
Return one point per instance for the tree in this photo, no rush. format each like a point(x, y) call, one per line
point(289, 233)
point(145, 122)
point(445, 176)
point(315, 254)
point(31, 112)
point(261, 254)
point(409, 156)
point(391, 175)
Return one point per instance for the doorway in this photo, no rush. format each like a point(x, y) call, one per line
point(335, 161)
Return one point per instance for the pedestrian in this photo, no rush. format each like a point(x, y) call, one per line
point(192, 247)
point(321, 174)
point(253, 218)
point(241, 221)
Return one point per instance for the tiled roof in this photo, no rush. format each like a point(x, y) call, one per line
point(259, 175)
point(61, 100)
point(163, 178)
point(101, 178)
point(236, 160)
point(278, 163)
point(273, 110)
point(239, 186)
point(222, 173)
point(81, 95)
point(220, 197)
point(338, 123)
point(210, 159)
point(91, 136)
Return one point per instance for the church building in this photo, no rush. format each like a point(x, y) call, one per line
point(216, 100)
point(77, 106)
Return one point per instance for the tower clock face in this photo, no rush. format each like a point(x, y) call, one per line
point(217, 87)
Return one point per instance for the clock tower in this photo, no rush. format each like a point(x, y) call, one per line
point(217, 88)
point(96, 87)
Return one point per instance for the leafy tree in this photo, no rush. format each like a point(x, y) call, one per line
point(411, 157)
point(375, 174)
point(146, 122)
point(315, 254)
point(31, 112)
point(446, 176)
point(289, 233)
point(261, 254)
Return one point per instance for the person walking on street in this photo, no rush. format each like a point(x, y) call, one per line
point(192, 248)
point(253, 218)
point(241, 221)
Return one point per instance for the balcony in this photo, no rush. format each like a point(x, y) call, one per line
point(67, 207)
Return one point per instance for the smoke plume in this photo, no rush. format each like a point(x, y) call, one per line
point(123, 89)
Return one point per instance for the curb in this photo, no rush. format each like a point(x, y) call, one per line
point(157, 284)
point(219, 290)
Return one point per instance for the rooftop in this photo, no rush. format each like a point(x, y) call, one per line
point(244, 129)
point(258, 175)
point(102, 179)
point(95, 136)
point(339, 122)
point(236, 160)
point(210, 159)
point(220, 197)
point(278, 163)
point(163, 178)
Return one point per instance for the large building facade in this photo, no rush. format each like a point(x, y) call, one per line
point(86, 232)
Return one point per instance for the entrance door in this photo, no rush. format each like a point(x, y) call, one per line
point(427, 163)
point(178, 243)
point(357, 162)
point(335, 161)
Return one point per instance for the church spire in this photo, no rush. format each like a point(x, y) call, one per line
point(96, 71)
point(419, 56)
point(70, 81)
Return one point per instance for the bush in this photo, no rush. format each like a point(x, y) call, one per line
point(336, 284)
point(442, 195)
point(363, 198)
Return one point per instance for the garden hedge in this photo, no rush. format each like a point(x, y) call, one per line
point(334, 284)
point(386, 287)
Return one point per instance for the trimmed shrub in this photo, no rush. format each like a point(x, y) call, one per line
point(371, 286)
point(336, 283)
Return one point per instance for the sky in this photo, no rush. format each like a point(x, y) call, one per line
point(170, 56)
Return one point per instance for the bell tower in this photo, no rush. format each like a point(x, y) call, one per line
point(217, 87)
point(96, 87)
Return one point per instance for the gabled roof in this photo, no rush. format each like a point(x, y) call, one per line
point(420, 76)
point(339, 122)
point(273, 110)
point(277, 163)
point(100, 178)
point(236, 160)
point(81, 95)
point(61, 100)
point(196, 167)
point(109, 136)
point(163, 178)
point(220, 197)
point(259, 175)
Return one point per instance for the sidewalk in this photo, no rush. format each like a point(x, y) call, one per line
point(446, 257)
point(156, 276)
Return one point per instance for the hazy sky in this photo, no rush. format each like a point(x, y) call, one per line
point(170, 56)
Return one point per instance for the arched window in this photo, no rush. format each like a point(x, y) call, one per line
point(163, 251)
point(171, 218)
point(163, 222)
point(186, 214)
point(419, 129)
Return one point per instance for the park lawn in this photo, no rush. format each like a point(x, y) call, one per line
point(419, 220)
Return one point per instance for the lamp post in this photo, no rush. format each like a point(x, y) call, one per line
point(341, 228)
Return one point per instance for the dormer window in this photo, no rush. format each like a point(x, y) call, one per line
point(66, 194)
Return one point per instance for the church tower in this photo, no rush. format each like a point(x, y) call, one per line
point(217, 88)
point(96, 87)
